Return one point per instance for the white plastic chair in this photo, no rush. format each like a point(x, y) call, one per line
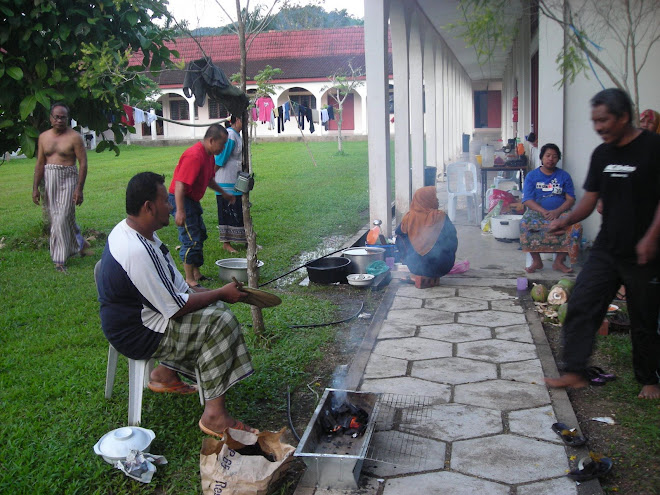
point(462, 181)
point(139, 371)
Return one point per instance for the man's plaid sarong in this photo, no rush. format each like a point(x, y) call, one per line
point(211, 339)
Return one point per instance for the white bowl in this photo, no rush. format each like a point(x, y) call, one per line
point(360, 279)
point(117, 444)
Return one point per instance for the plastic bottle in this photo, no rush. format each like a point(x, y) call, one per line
point(374, 234)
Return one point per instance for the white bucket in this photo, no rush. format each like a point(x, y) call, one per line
point(506, 226)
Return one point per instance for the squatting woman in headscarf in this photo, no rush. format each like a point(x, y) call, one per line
point(426, 239)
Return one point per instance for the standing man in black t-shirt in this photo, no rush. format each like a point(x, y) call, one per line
point(625, 174)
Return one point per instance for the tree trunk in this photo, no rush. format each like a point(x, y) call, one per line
point(251, 237)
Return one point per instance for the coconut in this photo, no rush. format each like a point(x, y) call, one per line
point(539, 293)
point(561, 312)
point(558, 295)
point(566, 283)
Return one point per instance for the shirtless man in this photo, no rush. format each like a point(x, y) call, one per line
point(59, 148)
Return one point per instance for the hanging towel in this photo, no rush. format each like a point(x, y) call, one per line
point(287, 110)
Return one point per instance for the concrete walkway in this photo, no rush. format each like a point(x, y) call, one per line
point(475, 349)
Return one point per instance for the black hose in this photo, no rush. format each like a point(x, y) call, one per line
point(301, 266)
point(312, 325)
point(288, 413)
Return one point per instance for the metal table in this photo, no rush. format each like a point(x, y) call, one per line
point(484, 180)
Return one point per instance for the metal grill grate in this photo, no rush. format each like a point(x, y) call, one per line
point(391, 446)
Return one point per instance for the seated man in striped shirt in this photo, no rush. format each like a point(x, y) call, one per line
point(149, 311)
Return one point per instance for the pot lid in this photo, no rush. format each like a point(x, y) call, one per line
point(118, 443)
point(363, 251)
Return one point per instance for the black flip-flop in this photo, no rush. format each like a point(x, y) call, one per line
point(593, 469)
point(608, 377)
point(569, 436)
point(202, 278)
point(595, 378)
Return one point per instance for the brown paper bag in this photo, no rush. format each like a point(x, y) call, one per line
point(243, 463)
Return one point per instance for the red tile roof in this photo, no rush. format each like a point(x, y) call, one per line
point(308, 54)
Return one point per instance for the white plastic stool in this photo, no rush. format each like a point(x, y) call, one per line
point(138, 378)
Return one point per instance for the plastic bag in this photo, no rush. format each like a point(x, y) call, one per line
point(460, 267)
point(485, 223)
point(377, 267)
point(497, 195)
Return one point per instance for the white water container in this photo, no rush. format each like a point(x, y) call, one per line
point(487, 156)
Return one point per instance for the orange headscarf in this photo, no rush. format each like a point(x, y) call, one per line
point(424, 222)
point(652, 116)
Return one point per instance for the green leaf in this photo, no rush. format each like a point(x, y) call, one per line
point(32, 132)
point(65, 31)
point(27, 106)
point(27, 145)
point(6, 10)
point(6, 123)
point(42, 97)
point(132, 18)
point(2, 70)
point(41, 68)
point(15, 73)
point(102, 146)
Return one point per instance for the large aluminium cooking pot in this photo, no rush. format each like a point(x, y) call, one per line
point(362, 257)
point(235, 267)
point(328, 270)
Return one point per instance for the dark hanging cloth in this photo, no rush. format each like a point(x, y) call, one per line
point(308, 114)
point(331, 112)
point(302, 111)
point(280, 119)
point(203, 78)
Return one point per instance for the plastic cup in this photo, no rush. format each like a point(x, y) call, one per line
point(521, 283)
point(389, 261)
point(478, 157)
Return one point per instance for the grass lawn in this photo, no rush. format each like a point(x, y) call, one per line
point(52, 365)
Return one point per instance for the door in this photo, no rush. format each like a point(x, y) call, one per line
point(348, 121)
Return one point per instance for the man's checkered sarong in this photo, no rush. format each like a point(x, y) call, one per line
point(211, 339)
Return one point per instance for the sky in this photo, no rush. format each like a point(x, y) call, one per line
point(207, 13)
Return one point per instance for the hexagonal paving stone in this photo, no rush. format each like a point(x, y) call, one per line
point(454, 332)
point(512, 305)
point(456, 304)
point(396, 330)
point(483, 293)
point(557, 486)
point(408, 386)
point(412, 291)
point(509, 459)
point(523, 371)
point(450, 422)
point(385, 367)
point(534, 423)
point(443, 482)
point(519, 333)
point(403, 453)
point(491, 318)
point(454, 370)
point(412, 348)
point(496, 351)
point(502, 394)
point(420, 316)
point(406, 303)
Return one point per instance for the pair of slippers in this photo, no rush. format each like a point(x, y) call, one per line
point(598, 377)
point(588, 467)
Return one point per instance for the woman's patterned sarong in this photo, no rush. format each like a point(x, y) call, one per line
point(534, 236)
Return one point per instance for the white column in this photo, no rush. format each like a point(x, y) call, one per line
point(525, 86)
point(439, 111)
point(191, 113)
point(415, 64)
point(429, 91)
point(154, 129)
point(551, 98)
point(375, 45)
point(399, 28)
point(445, 97)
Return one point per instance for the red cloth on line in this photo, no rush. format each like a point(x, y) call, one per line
point(128, 117)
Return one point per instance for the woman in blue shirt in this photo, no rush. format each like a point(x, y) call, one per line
point(548, 193)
